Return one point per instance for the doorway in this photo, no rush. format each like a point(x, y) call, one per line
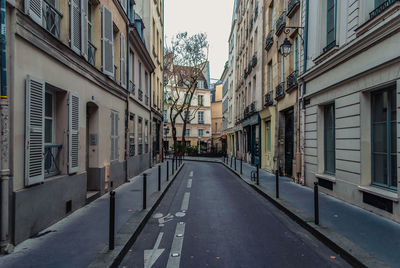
point(94, 180)
point(289, 141)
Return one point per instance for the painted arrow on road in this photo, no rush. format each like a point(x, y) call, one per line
point(152, 255)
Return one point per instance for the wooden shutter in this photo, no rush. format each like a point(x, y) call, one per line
point(84, 30)
point(75, 26)
point(73, 133)
point(114, 136)
point(107, 42)
point(34, 9)
point(34, 130)
point(123, 61)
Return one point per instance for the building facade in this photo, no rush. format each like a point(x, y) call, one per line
point(216, 118)
point(78, 128)
point(351, 98)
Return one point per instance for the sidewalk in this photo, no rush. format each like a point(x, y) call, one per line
point(79, 238)
point(372, 239)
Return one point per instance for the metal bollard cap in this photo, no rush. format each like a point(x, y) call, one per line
point(112, 193)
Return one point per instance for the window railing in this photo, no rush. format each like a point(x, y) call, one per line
point(146, 100)
point(140, 94)
point(201, 121)
point(132, 87)
point(51, 19)
point(51, 159)
point(268, 99)
point(91, 53)
point(291, 81)
point(292, 7)
point(269, 40)
point(381, 8)
point(280, 23)
point(280, 91)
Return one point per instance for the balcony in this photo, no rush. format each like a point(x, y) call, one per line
point(293, 6)
point(91, 53)
point(269, 40)
point(51, 159)
point(51, 19)
point(291, 81)
point(146, 100)
point(268, 99)
point(254, 61)
point(140, 94)
point(253, 107)
point(280, 23)
point(381, 8)
point(200, 122)
point(280, 91)
point(132, 87)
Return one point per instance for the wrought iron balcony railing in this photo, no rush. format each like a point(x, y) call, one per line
point(201, 122)
point(381, 8)
point(51, 19)
point(268, 99)
point(291, 81)
point(269, 40)
point(293, 6)
point(140, 94)
point(280, 23)
point(253, 107)
point(280, 91)
point(254, 60)
point(51, 159)
point(91, 53)
point(132, 87)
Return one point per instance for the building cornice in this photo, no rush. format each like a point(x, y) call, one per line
point(141, 48)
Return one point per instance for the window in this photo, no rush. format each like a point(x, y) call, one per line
point(165, 131)
point(146, 88)
point(271, 75)
point(132, 148)
point(200, 84)
point(114, 136)
point(146, 137)
point(140, 75)
point(384, 138)
point(268, 129)
point(187, 133)
point(140, 135)
point(201, 117)
point(107, 42)
point(165, 116)
point(49, 115)
point(90, 22)
point(200, 100)
point(331, 23)
point(122, 60)
point(187, 98)
point(200, 133)
point(329, 138)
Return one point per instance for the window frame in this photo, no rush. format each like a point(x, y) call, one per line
point(327, 43)
point(53, 118)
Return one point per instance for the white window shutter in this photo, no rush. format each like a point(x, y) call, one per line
point(123, 61)
point(84, 30)
point(116, 136)
point(73, 133)
point(75, 27)
point(34, 9)
point(107, 42)
point(112, 136)
point(34, 130)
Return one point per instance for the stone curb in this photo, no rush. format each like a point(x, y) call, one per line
point(130, 231)
point(347, 249)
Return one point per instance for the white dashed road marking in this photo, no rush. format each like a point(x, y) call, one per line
point(189, 183)
point(176, 248)
point(191, 174)
point(185, 202)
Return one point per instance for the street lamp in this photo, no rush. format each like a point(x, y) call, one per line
point(285, 47)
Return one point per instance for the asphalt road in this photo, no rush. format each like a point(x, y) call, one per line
point(210, 218)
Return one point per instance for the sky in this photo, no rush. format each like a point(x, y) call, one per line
point(213, 17)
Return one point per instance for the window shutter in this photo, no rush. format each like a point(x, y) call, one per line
point(123, 62)
point(75, 27)
point(112, 155)
point(107, 42)
point(34, 9)
point(84, 31)
point(34, 130)
point(116, 136)
point(124, 4)
point(73, 133)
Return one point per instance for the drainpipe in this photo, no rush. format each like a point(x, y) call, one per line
point(127, 97)
point(304, 86)
point(162, 112)
point(4, 139)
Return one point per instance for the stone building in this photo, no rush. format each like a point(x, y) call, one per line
point(216, 118)
point(79, 80)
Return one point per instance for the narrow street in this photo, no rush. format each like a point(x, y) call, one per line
point(209, 218)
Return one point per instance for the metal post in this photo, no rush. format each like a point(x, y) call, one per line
point(159, 177)
point(167, 170)
point(316, 206)
point(277, 183)
point(176, 163)
point(235, 163)
point(258, 180)
point(241, 166)
point(231, 160)
point(144, 190)
point(111, 230)
point(173, 165)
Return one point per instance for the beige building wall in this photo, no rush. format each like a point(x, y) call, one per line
point(216, 118)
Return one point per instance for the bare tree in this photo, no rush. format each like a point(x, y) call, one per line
point(184, 62)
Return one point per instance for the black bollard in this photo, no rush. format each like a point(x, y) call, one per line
point(258, 180)
point(173, 165)
point(235, 163)
point(112, 221)
point(241, 166)
point(167, 170)
point(231, 160)
point(159, 177)
point(316, 206)
point(277, 183)
point(176, 163)
point(144, 191)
